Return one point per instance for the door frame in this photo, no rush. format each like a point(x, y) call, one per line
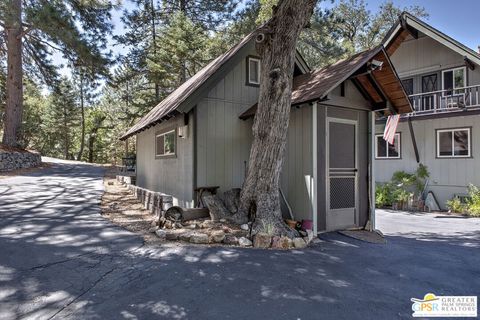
point(328, 120)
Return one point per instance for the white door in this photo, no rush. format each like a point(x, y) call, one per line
point(341, 184)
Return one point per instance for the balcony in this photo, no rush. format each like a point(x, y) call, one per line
point(441, 101)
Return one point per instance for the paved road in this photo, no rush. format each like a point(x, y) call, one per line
point(60, 259)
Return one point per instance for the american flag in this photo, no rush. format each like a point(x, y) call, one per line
point(391, 128)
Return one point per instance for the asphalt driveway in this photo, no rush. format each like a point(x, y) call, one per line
point(60, 259)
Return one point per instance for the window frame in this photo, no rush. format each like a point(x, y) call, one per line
point(248, 81)
point(453, 156)
point(387, 157)
point(164, 133)
point(444, 90)
point(410, 79)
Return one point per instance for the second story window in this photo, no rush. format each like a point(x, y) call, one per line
point(384, 150)
point(453, 79)
point(253, 71)
point(453, 143)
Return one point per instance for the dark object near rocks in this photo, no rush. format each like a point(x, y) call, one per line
point(184, 214)
point(216, 207)
point(231, 198)
point(231, 240)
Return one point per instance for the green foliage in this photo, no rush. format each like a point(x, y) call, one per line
point(455, 205)
point(473, 202)
point(401, 187)
point(384, 195)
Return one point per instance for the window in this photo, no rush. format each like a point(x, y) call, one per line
point(165, 143)
point(453, 143)
point(408, 86)
point(453, 79)
point(384, 150)
point(253, 71)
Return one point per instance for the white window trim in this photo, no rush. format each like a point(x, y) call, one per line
point(164, 134)
point(249, 81)
point(453, 75)
point(398, 138)
point(469, 130)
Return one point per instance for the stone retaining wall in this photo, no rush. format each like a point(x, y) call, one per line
point(155, 202)
point(13, 160)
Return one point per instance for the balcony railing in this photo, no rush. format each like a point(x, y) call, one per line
point(446, 100)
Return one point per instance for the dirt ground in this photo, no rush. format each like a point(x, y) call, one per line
point(19, 172)
point(123, 209)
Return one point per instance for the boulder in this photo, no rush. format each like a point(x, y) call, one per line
point(244, 242)
point(162, 234)
point(199, 238)
point(281, 242)
point(172, 235)
point(217, 236)
point(245, 227)
point(185, 236)
point(230, 240)
point(262, 240)
point(299, 243)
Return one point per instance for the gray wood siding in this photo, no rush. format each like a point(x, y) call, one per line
point(223, 140)
point(447, 176)
point(173, 176)
point(426, 56)
point(297, 172)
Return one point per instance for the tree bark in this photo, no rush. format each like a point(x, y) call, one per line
point(82, 109)
point(14, 104)
point(276, 44)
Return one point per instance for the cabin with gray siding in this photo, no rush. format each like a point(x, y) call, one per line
point(443, 79)
point(201, 135)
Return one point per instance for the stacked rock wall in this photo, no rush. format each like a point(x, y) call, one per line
point(12, 160)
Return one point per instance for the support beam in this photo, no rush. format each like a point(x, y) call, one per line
point(470, 65)
point(314, 167)
point(377, 87)
point(413, 32)
point(414, 141)
point(371, 177)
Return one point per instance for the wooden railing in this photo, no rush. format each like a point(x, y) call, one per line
point(446, 100)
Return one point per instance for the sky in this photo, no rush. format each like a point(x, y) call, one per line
point(456, 18)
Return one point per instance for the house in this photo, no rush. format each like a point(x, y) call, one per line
point(200, 135)
point(442, 78)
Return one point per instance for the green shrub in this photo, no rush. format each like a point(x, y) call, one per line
point(455, 205)
point(473, 202)
point(384, 195)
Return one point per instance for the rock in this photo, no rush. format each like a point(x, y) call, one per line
point(199, 238)
point(230, 240)
point(152, 229)
point(299, 243)
point(168, 224)
point(281, 242)
point(162, 234)
point(245, 227)
point(226, 229)
point(153, 224)
point(217, 236)
point(244, 242)
point(110, 183)
point(172, 235)
point(262, 240)
point(185, 236)
point(191, 226)
point(223, 220)
point(207, 224)
point(178, 225)
point(310, 235)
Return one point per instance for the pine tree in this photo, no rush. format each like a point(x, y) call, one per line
point(35, 28)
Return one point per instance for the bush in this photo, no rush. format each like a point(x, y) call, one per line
point(455, 205)
point(384, 195)
point(473, 203)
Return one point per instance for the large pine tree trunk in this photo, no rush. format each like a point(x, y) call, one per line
point(276, 43)
point(82, 109)
point(14, 106)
